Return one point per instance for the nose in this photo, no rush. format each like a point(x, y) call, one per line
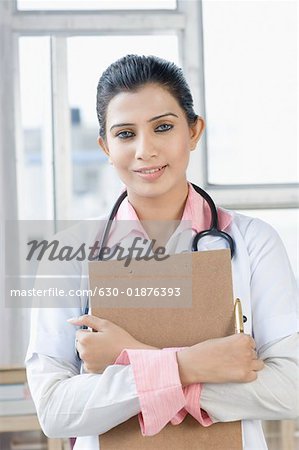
point(145, 148)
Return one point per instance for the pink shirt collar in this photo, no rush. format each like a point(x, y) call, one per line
point(196, 211)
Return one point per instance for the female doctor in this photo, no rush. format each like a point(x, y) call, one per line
point(147, 129)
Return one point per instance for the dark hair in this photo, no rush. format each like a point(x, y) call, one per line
point(131, 73)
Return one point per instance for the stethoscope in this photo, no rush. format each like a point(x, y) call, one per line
point(212, 231)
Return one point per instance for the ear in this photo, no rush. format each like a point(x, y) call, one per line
point(103, 146)
point(196, 131)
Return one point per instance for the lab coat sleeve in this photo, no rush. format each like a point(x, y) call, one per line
point(273, 298)
point(72, 404)
point(273, 290)
point(272, 396)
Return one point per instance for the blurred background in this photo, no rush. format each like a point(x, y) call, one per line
point(240, 59)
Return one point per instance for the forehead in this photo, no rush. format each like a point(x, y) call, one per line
point(148, 101)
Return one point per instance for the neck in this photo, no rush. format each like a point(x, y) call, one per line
point(160, 216)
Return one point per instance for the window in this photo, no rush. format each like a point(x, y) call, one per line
point(250, 90)
point(35, 158)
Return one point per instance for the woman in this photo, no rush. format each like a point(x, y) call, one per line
point(147, 129)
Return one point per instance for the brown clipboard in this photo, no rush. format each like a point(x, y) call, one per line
point(209, 316)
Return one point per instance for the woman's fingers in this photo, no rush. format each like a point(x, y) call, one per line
point(258, 364)
point(82, 336)
point(90, 321)
point(252, 342)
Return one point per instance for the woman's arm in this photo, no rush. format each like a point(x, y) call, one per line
point(70, 404)
point(272, 396)
point(221, 360)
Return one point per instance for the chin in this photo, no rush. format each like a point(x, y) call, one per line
point(152, 190)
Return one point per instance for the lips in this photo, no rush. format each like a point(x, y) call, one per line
point(150, 174)
point(149, 170)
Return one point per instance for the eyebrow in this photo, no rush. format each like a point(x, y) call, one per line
point(150, 120)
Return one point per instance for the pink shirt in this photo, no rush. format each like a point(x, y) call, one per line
point(161, 395)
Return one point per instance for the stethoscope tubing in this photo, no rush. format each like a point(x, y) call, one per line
point(212, 231)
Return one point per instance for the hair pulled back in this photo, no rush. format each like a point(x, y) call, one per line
point(131, 72)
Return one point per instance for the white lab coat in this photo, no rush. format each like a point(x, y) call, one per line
point(70, 403)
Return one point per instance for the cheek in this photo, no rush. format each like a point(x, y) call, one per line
point(120, 159)
point(116, 154)
point(180, 146)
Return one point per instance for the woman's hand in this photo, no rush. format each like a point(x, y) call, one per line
point(100, 349)
point(223, 360)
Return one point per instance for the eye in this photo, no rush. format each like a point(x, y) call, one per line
point(164, 127)
point(124, 134)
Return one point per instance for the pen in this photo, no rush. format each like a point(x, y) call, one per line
point(239, 324)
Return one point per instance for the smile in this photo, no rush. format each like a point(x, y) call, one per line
point(151, 174)
point(154, 170)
